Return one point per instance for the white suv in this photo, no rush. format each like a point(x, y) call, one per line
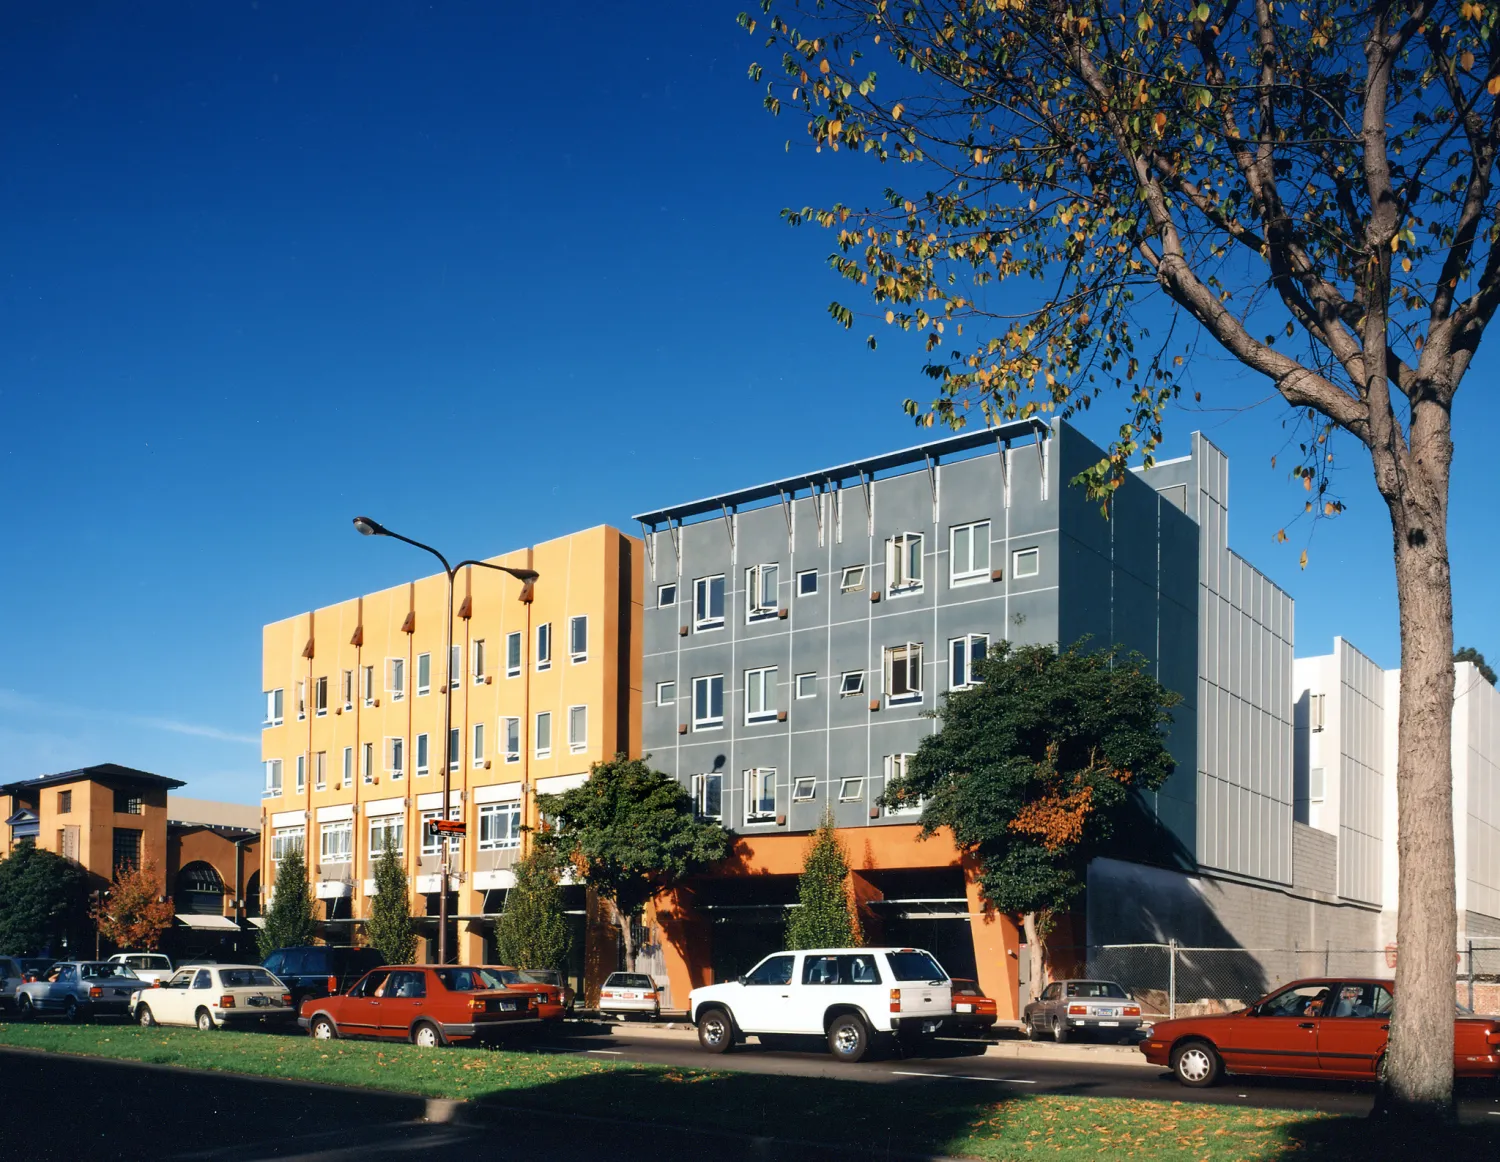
point(849, 995)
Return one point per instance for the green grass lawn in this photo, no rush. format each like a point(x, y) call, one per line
point(918, 1116)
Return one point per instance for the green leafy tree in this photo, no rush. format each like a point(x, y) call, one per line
point(1034, 767)
point(532, 931)
point(389, 927)
point(289, 920)
point(1470, 654)
point(825, 918)
point(42, 900)
point(630, 832)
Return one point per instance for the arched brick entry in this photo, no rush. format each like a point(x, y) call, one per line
point(199, 890)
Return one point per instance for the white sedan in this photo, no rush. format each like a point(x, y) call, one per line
point(213, 995)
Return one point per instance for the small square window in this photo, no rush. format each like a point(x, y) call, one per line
point(804, 788)
point(851, 790)
point(666, 693)
point(853, 579)
point(807, 685)
point(852, 683)
point(666, 595)
point(807, 583)
point(1025, 563)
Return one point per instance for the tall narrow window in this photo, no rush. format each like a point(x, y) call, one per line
point(708, 796)
point(424, 674)
point(511, 729)
point(1315, 711)
point(578, 729)
point(476, 755)
point(544, 646)
point(513, 654)
point(320, 770)
point(320, 696)
point(301, 700)
point(969, 553)
point(348, 776)
point(395, 757)
point(424, 754)
point(301, 773)
point(708, 702)
point(708, 602)
point(273, 776)
point(395, 678)
point(273, 708)
point(1315, 784)
point(367, 761)
point(369, 685)
point(578, 639)
point(455, 665)
point(760, 695)
point(903, 563)
point(476, 656)
point(455, 746)
point(895, 768)
point(963, 652)
point(544, 734)
point(65, 801)
point(346, 689)
point(761, 593)
point(760, 795)
point(903, 672)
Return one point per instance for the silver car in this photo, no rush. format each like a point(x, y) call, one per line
point(1066, 1007)
point(74, 989)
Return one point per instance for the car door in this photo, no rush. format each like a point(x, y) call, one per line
point(358, 1013)
point(1279, 1035)
point(59, 990)
point(764, 1004)
point(1044, 1009)
point(1353, 1033)
point(169, 1003)
point(405, 996)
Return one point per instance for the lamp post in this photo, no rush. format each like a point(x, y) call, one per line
point(527, 577)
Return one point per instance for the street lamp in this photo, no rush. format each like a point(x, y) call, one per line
point(527, 577)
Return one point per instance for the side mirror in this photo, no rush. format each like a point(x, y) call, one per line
point(744, 979)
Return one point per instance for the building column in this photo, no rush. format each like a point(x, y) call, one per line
point(997, 946)
point(686, 944)
point(862, 893)
point(471, 932)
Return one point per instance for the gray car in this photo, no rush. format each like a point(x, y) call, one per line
point(1066, 1007)
point(74, 989)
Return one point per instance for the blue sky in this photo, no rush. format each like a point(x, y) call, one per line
point(487, 274)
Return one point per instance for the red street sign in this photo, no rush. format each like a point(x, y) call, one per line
point(446, 826)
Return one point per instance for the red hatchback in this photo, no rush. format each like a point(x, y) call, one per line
point(421, 1004)
point(1327, 1027)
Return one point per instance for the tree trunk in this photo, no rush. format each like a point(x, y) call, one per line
point(627, 930)
point(1035, 953)
point(1418, 1075)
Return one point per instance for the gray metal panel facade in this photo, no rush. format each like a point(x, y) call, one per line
point(1361, 727)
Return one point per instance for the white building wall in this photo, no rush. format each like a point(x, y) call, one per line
point(1476, 795)
point(1360, 734)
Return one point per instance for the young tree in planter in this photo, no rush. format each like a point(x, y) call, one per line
point(825, 918)
point(389, 927)
point(1034, 767)
point(532, 931)
point(134, 913)
point(289, 920)
point(42, 898)
point(629, 832)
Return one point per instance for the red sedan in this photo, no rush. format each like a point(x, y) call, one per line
point(1327, 1027)
point(421, 1004)
point(549, 996)
point(973, 1012)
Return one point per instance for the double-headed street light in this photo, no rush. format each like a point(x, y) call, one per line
point(527, 577)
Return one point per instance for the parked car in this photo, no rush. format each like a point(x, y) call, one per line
point(1323, 1027)
point(320, 970)
point(629, 992)
point(12, 977)
point(973, 1012)
point(1066, 1007)
point(34, 966)
point(553, 977)
point(79, 988)
point(850, 996)
point(211, 996)
point(149, 966)
point(427, 1006)
point(549, 999)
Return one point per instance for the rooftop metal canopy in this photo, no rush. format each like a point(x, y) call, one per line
point(861, 470)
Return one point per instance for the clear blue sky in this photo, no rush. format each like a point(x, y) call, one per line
point(487, 272)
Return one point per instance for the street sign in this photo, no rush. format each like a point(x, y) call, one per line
point(445, 826)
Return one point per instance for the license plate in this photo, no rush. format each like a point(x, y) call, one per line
point(963, 1008)
point(508, 1006)
point(1110, 1023)
point(1108, 1012)
point(259, 1002)
point(630, 996)
point(120, 993)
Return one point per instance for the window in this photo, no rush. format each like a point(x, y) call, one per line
point(1025, 563)
point(513, 654)
point(476, 752)
point(273, 707)
point(853, 579)
point(903, 672)
point(1303, 1000)
point(578, 639)
point(708, 603)
point(395, 678)
point(1315, 784)
point(963, 652)
point(807, 685)
point(761, 591)
point(336, 841)
point(804, 787)
point(455, 665)
point(367, 761)
point(285, 840)
point(851, 683)
point(368, 680)
point(387, 831)
point(476, 657)
point(65, 802)
point(273, 776)
point(708, 702)
point(1315, 711)
point(807, 583)
point(432, 843)
point(301, 773)
point(708, 796)
point(895, 768)
point(544, 646)
point(424, 674)
point(320, 770)
point(578, 729)
point(348, 778)
point(301, 701)
point(544, 734)
point(773, 970)
point(346, 689)
point(969, 553)
point(500, 826)
point(455, 748)
point(666, 693)
point(903, 563)
point(760, 795)
point(666, 595)
point(510, 728)
point(858, 968)
point(1361, 999)
point(395, 757)
point(760, 695)
point(320, 696)
point(128, 804)
point(851, 790)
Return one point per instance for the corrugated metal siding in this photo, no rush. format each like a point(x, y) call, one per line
point(1360, 734)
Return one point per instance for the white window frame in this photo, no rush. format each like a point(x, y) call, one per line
point(755, 785)
point(895, 768)
point(852, 789)
point(911, 693)
point(273, 776)
point(1031, 557)
point(759, 581)
point(320, 697)
point(511, 727)
point(395, 678)
point(424, 675)
point(666, 693)
point(852, 579)
point(709, 721)
point(1317, 788)
point(301, 774)
point(544, 646)
point(577, 744)
point(476, 660)
point(455, 666)
point(346, 688)
point(367, 680)
point(578, 656)
point(341, 852)
point(760, 691)
point(275, 706)
point(543, 716)
point(803, 578)
point(283, 839)
point(431, 844)
point(701, 784)
point(851, 683)
point(301, 693)
point(455, 749)
point(703, 600)
point(347, 777)
point(961, 660)
point(807, 685)
point(509, 810)
point(422, 755)
point(666, 595)
point(970, 573)
point(320, 770)
point(385, 826)
point(905, 563)
point(515, 650)
point(367, 761)
point(804, 788)
point(1316, 712)
point(476, 746)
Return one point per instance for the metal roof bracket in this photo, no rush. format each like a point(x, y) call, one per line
point(729, 527)
point(1041, 460)
point(1003, 446)
point(933, 484)
point(867, 483)
point(648, 537)
point(786, 511)
point(675, 531)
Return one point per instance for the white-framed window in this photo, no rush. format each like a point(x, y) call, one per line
point(274, 707)
point(666, 595)
point(708, 603)
point(424, 754)
point(807, 583)
point(761, 591)
point(513, 647)
point(510, 731)
point(346, 689)
point(336, 841)
point(273, 776)
point(969, 553)
point(851, 790)
point(963, 652)
point(903, 672)
point(455, 665)
point(368, 682)
point(476, 752)
point(320, 696)
point(432, 844)
point(666, 693)
point(320, 770)
point(895, 768)
point(578, 639)
point(285, 840)
point(1315, 710)
point(348, 776)
point(455, 748)
point(708, 796)
point(760, 695)
point(544, 646)
point(544, 734)
point(424, 674)
point(807, 685)
point(395, 757)
point(500, 826)
point(851, 683)
point(301, 773)
point(804, 787)
point(367, 761)
point(852, 580)
point(708, 702)
point(387, 831)
point(1025, 563)
point(903, 563)
point(578, 729)
point(1315, 784)
point(760, 795)
point(301, 700)
point(395, 678)
point(476, 660)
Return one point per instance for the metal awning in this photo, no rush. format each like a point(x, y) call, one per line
point(255, 921)
point(223, 923)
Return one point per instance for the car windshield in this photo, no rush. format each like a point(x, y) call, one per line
point(247, 978)
point(909, 965)
point(966, 988)
point(540, 976)
point(109, 972)
point(1106, 989)
point(627, 980)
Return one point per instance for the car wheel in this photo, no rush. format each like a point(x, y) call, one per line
point(1033, 1031)
point(24, 1009)
point(70, 1010)
point(848, 1037)
point(205, 1021)
point(1196, 1064)
point(426, 1036)
point(144, 1017)
point(715, 1031)
point(323, 1030)
point(1059, 1030)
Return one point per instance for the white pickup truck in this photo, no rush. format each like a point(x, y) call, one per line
point(848, 995)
